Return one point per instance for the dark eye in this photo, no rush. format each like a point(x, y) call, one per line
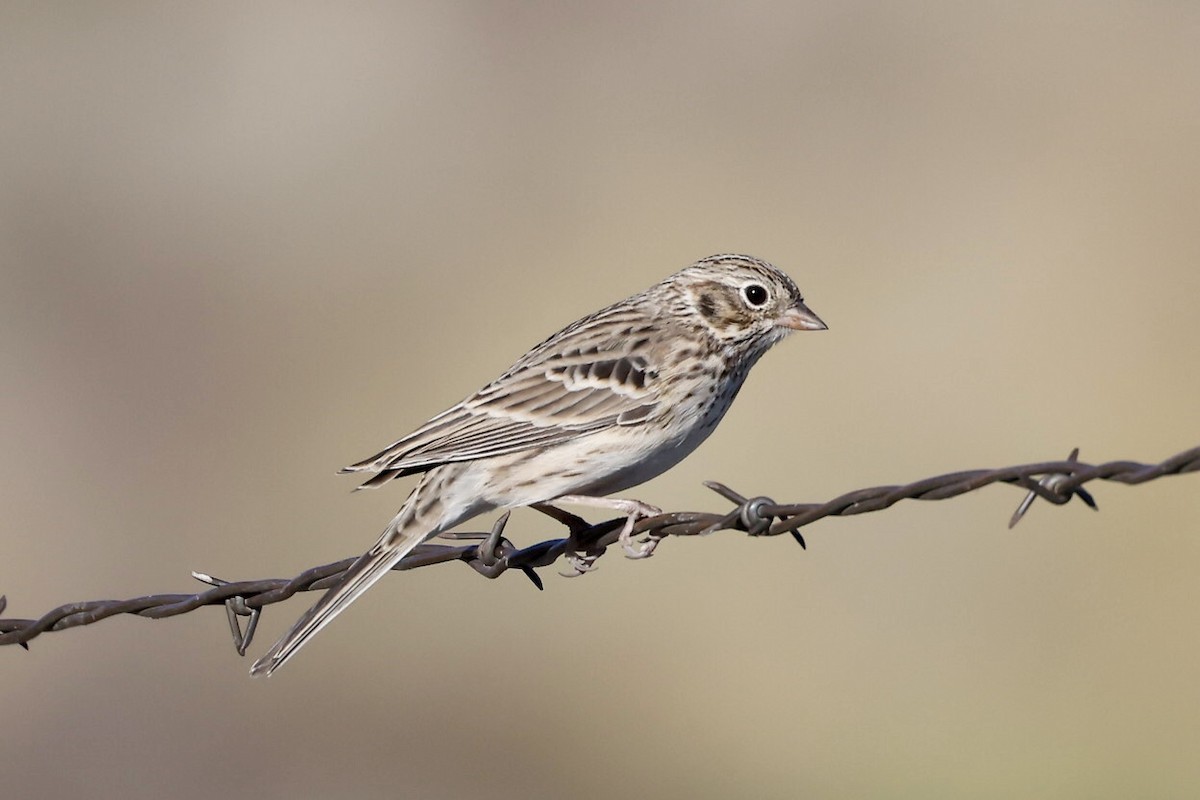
point(755, 295)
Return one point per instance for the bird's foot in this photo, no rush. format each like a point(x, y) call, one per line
point(645, 547)
point(581, 563)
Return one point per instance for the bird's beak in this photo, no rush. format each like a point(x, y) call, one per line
point(800, 318)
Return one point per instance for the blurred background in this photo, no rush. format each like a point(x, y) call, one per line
point(242, 245)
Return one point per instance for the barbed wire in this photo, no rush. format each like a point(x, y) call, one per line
point(492, 554)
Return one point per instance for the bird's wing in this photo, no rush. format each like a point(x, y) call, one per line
point(550, 398)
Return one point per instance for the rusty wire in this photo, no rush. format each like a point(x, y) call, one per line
point(492, 554)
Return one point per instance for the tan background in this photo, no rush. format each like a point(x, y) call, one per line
point(244, 244)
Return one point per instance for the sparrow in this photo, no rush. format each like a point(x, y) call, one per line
point(608, 402)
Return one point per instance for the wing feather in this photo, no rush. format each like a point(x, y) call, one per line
point(550, 396)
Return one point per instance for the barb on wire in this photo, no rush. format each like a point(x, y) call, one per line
point(492, 554)
point(1052, 483)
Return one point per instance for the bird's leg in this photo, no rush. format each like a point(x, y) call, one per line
point(580, 563)
point(633, 509)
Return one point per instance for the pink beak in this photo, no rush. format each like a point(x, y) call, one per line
point(800, 318)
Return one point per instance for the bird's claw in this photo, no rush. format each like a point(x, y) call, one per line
point(633, 510)
point(645, 547)
point(641, 548)
point(581, 563)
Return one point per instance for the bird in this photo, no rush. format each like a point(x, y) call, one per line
point(606, 403)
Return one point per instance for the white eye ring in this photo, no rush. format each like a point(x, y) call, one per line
point(756, 295)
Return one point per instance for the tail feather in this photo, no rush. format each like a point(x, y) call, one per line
point(397, 541)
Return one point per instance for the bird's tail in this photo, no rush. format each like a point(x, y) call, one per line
point(402, 534)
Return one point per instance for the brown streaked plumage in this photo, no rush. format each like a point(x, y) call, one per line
point(606, 403)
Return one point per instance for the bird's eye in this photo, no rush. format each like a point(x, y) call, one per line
point(755, 294)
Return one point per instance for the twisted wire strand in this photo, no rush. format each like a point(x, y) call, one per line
point(491, 554)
